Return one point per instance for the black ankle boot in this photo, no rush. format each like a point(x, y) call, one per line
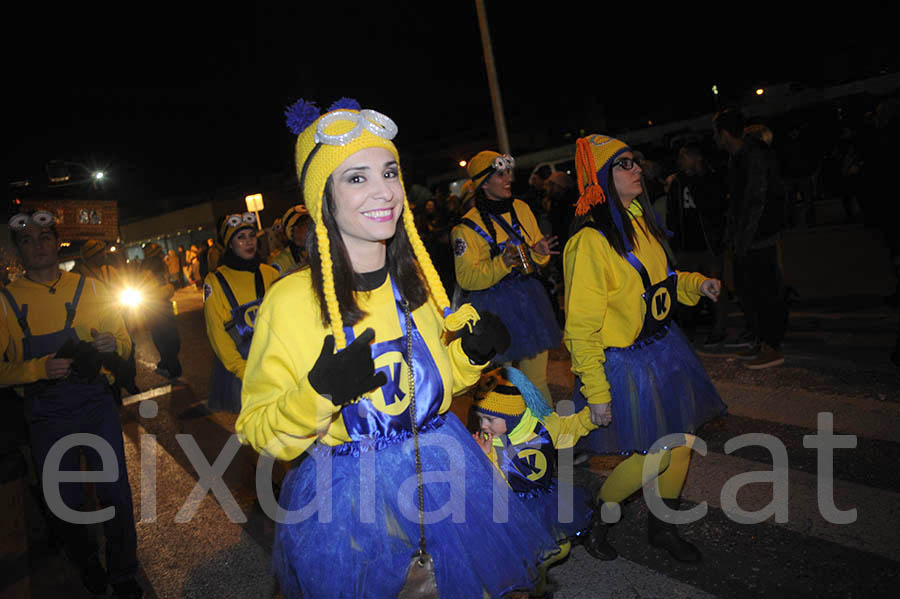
point(595, 543)
point(664, 535)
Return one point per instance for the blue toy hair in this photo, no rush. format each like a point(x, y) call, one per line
point(534, 400)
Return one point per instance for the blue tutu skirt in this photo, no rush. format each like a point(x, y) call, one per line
point(658, 387)
point(224, 389)
point(360, 542)
point(524, 307)
point(544, 504)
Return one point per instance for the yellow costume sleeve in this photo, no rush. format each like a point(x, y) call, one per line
point(106, 312)
point(465, 374)
point(567, 430)
point(12, 372)
point(689, 287)
point(282, 415)
point(475, 269)
point(216, 312)
point(586, 311)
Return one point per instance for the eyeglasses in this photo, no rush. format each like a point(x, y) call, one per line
point(627, 163)
point(41, 218)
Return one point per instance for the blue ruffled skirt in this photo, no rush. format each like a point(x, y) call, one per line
point(566, 522)
point(360, 541)
point(658, 387)
point(524, 307)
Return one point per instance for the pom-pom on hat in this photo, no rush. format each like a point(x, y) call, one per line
point(594, 156)
point(324, 141)
point(91, 248)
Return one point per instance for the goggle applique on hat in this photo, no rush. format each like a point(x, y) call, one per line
point(236, 220)
point(41, 218)
point(500, 164)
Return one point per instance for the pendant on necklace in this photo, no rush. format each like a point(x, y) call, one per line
point(52, 290)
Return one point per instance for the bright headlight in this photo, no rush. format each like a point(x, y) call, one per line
point(130, 297)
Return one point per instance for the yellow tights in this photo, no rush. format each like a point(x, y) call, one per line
point(541, 587)
point(627, 477)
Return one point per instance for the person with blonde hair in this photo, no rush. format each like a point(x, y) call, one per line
point(352, 363)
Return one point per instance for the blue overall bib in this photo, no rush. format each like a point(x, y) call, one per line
point(56, 409)
point(225, 387)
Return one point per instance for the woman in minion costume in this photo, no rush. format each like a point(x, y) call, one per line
point(521, 436)
point(294, 225)
point(373, 403)
point(633, 366)
point(497, 248)
point(231, 297)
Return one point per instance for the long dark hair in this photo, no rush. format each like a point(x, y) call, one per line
point(481, 201)
point(402, 266)
point(601, 215)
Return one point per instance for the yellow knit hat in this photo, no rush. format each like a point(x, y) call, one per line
point(497, 396)
point(291, 217)
point(594, 155)
point(234, 223)
point(323, 143)
point(91, 248)
point(484, 164)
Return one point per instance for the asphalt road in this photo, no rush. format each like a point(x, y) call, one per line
point(195, 545)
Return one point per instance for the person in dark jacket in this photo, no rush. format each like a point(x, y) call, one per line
point(754, 220)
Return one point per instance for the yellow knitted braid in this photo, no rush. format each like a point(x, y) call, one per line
point(334, 309)
point(466, 315)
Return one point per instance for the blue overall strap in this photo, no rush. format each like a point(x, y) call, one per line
point(495, 249)
point(229, 295)
point(73, 305)
point(514, 232)
point(632, 260)
point(21, 314)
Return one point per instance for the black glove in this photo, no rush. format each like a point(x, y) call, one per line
point(86, 360)
point(344, 376)
point(488, 338)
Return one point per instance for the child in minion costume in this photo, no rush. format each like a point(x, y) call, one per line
point(366, 408)
point(490, 233)
point(629, 357)
point(293, 254)
point(232, 295)
point(521, 435)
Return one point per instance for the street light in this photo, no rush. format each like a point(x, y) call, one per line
point(59, 175)
point(462, 163)
point(254, 205)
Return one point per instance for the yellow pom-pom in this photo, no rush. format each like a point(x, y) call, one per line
point(466, 315)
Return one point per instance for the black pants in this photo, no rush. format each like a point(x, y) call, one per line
point(164, 333)
point(758, 281)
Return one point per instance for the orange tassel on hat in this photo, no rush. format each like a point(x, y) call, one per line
point(589, 189)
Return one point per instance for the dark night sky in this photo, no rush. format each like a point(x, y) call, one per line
point(175, 101)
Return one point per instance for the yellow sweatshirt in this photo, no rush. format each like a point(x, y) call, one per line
point(475, 269)
point(603, 298)
point(281, 414)
point(97, 309)
point(217, 310)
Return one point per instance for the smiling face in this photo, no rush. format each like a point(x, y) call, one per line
point(628, 182)
point(38, 246)
point(368, 201)
point(498, 186)
point(492, 424)
point(243, 243)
